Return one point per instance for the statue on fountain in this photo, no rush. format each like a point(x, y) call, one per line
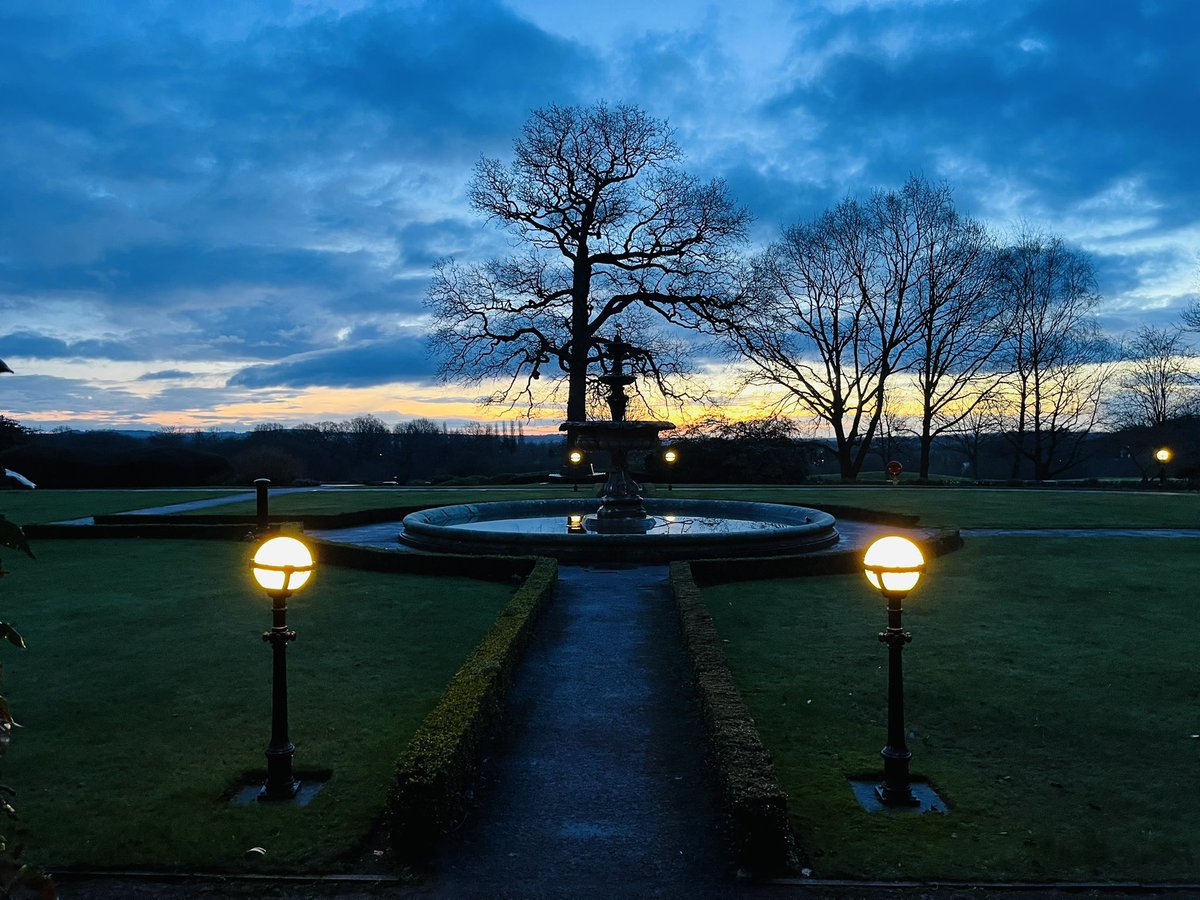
point(621, 503)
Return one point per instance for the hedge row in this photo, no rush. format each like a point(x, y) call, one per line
point(436, 772)
point(755, 805)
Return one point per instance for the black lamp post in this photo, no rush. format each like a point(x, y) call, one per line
point(670, 457)
point(894, 565)
point(281, 566)
point(575, 461)
point(1163, 456)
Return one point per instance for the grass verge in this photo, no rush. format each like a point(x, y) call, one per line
point(145, 695)
point(1051, 698)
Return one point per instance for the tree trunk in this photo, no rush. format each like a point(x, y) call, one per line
point(926, 446)
point(581, 336)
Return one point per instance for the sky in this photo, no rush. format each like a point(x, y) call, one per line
point(224, 213)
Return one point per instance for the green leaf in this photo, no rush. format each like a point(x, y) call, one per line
point(12, 536)
point(12, 635)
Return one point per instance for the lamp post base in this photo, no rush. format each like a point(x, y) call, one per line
point(890, 796)
point(867, 792)
point(281, 783)
point(269, 793)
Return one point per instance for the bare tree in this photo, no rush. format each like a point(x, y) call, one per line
point(968, 427)
point(1157, 381)
point(959, 323)
point(1059, 363)
point(827, 316)
point(609, 225)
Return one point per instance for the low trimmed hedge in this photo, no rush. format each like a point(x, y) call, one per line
point(437, 769)
point(755, 805)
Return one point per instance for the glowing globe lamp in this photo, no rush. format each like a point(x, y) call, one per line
point(893, 565)
point(282, 565)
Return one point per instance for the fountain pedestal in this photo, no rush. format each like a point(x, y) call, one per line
point(621, 503)
point(621, 510)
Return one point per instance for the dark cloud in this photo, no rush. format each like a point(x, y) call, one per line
point(40, 346)
point(366, 364)
point(166, 375)
point(1054, 95)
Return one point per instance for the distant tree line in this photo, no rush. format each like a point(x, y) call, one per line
point(361, 449)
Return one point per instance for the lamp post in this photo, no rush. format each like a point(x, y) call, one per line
point(281, 566)
point(1163, 455)
point(894, 565)
point(670, 457)
point(575, 459)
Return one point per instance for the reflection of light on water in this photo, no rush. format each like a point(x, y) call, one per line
point(666, 524)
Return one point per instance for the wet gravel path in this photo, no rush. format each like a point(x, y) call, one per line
point(598, 786)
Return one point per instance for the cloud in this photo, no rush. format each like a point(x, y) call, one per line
point(166, 375)
point(41, 346)
point(365, 364)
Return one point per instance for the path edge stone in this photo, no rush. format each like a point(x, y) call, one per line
point(758, 827)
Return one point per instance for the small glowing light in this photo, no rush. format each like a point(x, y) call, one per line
point(282, 564)
point(893, 564)
point(1163, 455)
point(668, 519)
point(576, 457)
point(575, 523)
point(670, 456)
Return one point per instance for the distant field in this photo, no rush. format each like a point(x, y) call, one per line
point(145, 693)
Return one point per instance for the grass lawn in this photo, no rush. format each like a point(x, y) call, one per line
point(976, 507)
point(353, 499)
point(967, 507)
point(145, 695)
point(39, 506)
point(1052, 697)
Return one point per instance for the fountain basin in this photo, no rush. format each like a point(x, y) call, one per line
point(682, 529)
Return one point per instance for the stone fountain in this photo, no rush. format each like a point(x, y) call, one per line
point(622, 508)
point(625, 526)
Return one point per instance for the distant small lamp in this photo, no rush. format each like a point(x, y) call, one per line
point(894, 565)
point(1163, 455)
point(281, 566)
point(670, 457)
point(575, 460)
point(575, 524)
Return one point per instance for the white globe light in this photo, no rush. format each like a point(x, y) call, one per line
point(893, 564)
point(282, 564)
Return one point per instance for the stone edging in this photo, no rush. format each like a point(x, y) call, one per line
point(755, 805)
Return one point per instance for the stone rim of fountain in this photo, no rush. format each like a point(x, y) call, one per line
point(796, 530)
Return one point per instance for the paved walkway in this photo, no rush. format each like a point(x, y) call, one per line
point(598, 786)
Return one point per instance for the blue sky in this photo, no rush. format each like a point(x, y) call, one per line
point(223, 213)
